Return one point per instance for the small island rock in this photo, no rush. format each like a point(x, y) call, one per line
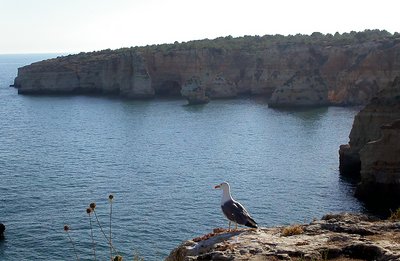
point(2, 229)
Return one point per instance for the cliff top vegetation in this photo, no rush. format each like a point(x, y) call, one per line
point(253, 43)
point(259, 42)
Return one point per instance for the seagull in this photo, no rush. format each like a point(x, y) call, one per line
point(233, 210)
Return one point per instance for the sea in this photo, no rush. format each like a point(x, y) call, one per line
point(160, 159)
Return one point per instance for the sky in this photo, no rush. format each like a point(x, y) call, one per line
point(71, 26)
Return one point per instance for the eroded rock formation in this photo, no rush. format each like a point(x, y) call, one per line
point(194, 91)
point(383, 109)
point(305, 72)
point(374, 149)
point(104, 72)
point(334, 237)
point(380, 167)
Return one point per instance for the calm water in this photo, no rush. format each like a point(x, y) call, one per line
point(161, 160)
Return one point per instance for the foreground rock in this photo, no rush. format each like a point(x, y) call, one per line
point(336, 237)
point(300, 71)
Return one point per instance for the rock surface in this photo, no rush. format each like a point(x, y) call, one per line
point(334, 237)
point(380, 167)
point(323, 72)
point(194, 92)
point(303, 89)
point(105, 72)
point(373, 151)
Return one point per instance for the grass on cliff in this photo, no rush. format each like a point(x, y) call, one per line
point(292, 230)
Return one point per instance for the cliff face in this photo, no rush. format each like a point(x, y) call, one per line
point(374, 149)
point(335, 237)
point(287, 73)
point(106, 72)
point(380, 167)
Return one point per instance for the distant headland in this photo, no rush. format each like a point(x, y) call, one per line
point(294, 70)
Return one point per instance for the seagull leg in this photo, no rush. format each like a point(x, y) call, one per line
point(235, 226)
point(229, 229)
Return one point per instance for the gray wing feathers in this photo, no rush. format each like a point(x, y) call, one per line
point(235, 212)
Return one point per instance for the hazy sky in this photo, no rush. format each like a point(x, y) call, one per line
point(42, 26)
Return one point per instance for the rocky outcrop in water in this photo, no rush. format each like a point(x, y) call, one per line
point(296, 70)
point(2, 229)
point(374, 149)
point(334, 237)
point(194, 91)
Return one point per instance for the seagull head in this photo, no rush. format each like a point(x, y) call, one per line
point(223, 186)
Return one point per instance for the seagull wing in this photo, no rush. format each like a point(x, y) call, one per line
point(235, 212)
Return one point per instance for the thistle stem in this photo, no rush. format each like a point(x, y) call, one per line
point(104, 234)
point(91, 235)
point(73, 245)
point(110, 229)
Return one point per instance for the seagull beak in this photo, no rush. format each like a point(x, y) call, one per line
point(217, 187)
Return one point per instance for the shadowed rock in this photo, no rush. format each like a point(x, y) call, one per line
point(373, 153)
point(380, 167)
point(2, 229)
point(382, 109)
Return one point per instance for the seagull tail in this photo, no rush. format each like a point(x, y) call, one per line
point(251, 223)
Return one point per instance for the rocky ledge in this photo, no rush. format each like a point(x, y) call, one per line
point(335, 237)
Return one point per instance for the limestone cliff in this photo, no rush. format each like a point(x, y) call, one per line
point(335, 237)
point(304, 71)
point(382, 109)
point(380, 167)
point(99, 72)
point(374, 149)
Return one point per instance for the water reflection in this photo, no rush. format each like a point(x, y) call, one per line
point(194, 108)
point(307, 114)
